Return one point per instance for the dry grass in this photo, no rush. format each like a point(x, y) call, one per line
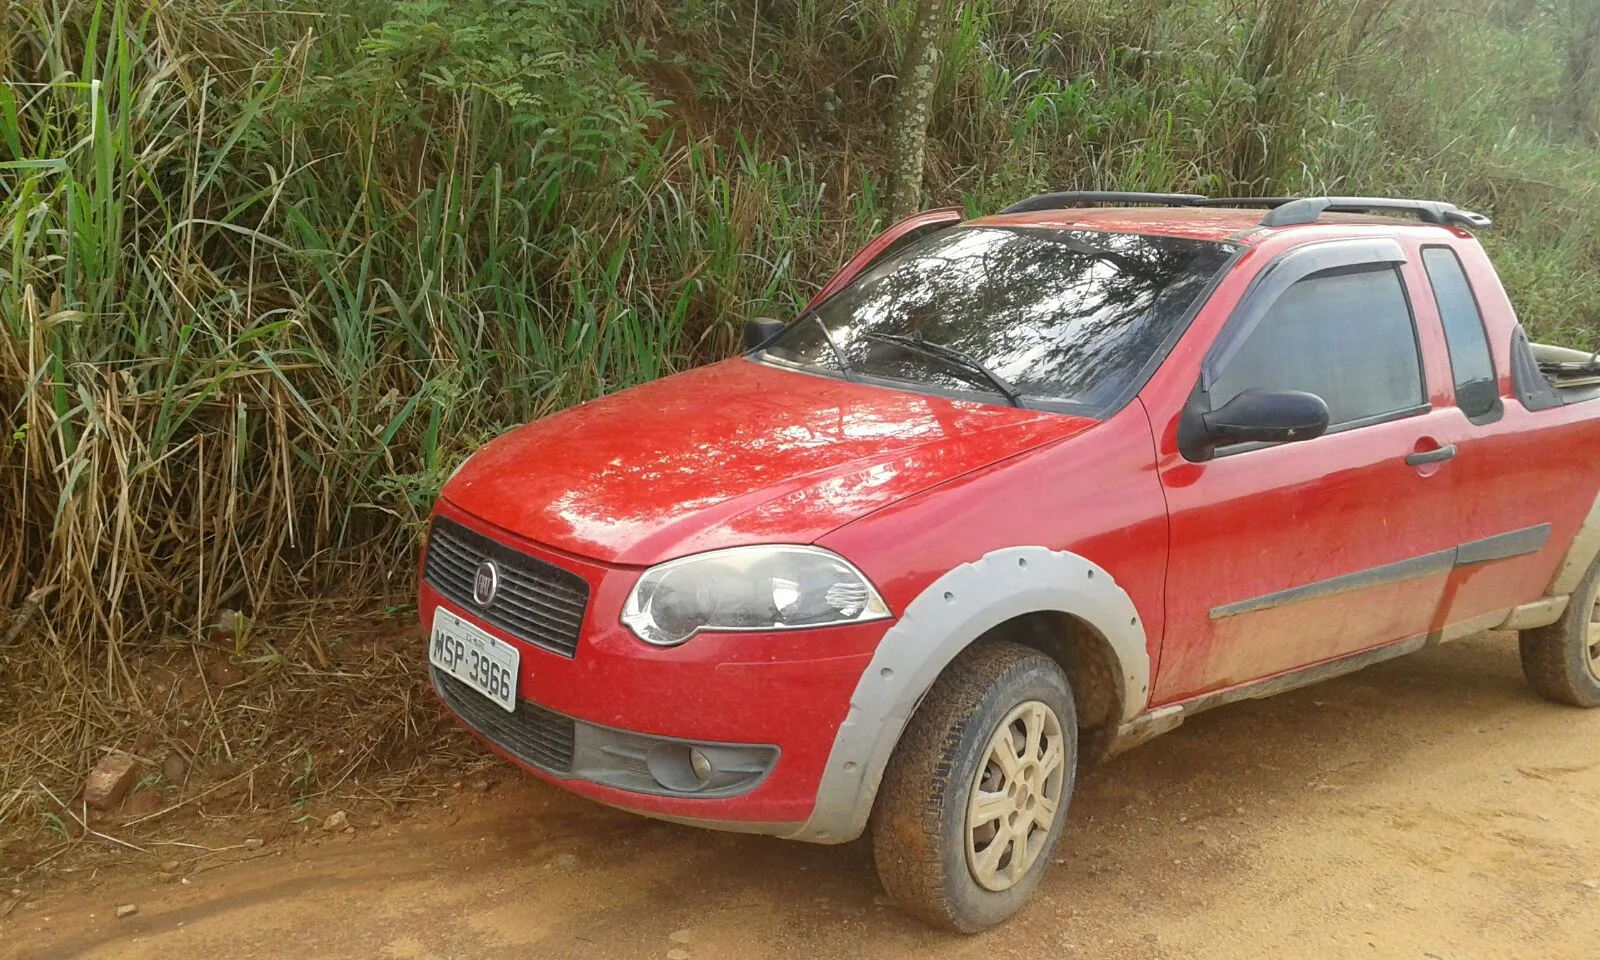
point(332, 712)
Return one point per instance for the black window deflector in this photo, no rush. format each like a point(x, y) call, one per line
point(1280, 275)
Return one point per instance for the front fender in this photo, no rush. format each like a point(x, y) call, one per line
point(954, 611)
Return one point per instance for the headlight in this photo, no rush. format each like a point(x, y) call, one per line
point(749, 588)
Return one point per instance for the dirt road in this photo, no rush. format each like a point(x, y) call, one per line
point(1428, 808)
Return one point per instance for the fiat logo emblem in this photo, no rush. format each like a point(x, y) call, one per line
point(485, 583)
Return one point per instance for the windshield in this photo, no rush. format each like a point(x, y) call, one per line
point(1061, 315)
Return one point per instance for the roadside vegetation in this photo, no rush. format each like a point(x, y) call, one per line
point(268, 270)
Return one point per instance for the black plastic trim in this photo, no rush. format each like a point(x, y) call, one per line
point(539, 602)
point(1244, 202)
point(621, 759)
point(1517, 543)
point(1437, 455)
point(1338, 428)
point(1303, 676)
point(534, 735)
point(1532, 389)
point(1412, 569)
point(1503, 546)
point(573, 749)
point(1308, 209)
point(770, 328)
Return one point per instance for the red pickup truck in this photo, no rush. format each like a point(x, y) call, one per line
point(1014, 494)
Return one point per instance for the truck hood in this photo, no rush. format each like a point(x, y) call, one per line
point(731, 454)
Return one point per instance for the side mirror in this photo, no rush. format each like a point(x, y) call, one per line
point(1254, 416)
point(758, 331)
point(1267, 416)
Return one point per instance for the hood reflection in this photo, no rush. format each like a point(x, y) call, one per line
point(734, 453)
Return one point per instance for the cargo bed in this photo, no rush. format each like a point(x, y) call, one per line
point(1575, 374)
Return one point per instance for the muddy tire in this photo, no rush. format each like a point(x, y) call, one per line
point(962, 832)
point(1562, 661)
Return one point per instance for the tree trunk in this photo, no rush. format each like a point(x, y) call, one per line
point(913, 102)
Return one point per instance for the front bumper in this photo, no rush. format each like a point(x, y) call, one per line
point(568, 748)
point(765, 708)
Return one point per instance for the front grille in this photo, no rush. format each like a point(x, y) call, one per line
point(537, 602)
point(536, 736)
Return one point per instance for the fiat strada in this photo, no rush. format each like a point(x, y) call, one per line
point(1013, 494)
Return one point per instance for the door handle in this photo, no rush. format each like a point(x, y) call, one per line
point(1438, 455)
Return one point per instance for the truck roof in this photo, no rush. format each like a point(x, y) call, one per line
point(1240, 219)
point(1237, 224)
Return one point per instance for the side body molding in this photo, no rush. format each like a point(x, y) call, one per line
point(944, 619)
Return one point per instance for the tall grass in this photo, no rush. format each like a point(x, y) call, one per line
point(252, 312)
point(267, 271)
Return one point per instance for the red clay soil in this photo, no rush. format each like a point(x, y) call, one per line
point(1428, 808)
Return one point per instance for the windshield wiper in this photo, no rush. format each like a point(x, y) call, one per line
point(952, 356)
point(844, 365)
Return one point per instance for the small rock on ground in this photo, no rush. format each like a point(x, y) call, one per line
point(126, 910)
point(110, 779)
point(336, 821)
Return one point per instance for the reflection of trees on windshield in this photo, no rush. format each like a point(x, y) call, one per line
point(1064, 314)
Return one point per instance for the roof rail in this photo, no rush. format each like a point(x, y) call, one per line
point(1102, 198)
point(1308, 209)
point(1282, 212)
point(1244, 201)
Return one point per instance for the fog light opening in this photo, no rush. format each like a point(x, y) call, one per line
point(700, 766)
point(680, 767)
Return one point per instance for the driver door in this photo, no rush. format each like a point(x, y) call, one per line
point(1290, 554)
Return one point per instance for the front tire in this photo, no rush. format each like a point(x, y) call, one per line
point(974, 799)
point(1562, 661)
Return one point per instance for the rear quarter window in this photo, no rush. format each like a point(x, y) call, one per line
point(1477, 389)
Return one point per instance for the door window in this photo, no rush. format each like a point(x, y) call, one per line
point(1346, 335)
point(1477, 391)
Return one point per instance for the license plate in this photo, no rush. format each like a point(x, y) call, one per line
point(478, 660)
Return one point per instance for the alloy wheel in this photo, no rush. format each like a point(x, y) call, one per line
point(1016, 795)
point(1592, 639)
